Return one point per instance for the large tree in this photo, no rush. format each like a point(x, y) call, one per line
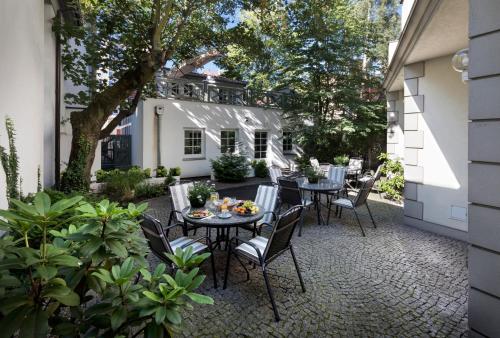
point(114, 56)
point(331, 54)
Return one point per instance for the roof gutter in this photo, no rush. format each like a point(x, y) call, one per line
point(418, 19)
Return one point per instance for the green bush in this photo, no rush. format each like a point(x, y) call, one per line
point(100, 175)
point(313, 175)
point(76, 269)
point(260, 168)
point(342, 160)
point(120, 185)
point(147, 173)
point(394, 183)
point(230, 168)
point(303, 162)
point(199, 193)
point(161, 171)
point(148, 190)
point(175, 171)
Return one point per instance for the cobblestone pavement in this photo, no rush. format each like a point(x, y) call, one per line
point(395, 282)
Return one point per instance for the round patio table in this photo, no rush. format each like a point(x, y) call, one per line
point(224, 224)
point(317, 189)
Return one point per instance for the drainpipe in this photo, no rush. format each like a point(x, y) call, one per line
point(159, 115)
point(57, 119)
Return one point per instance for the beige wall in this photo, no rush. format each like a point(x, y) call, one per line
point(213, 118)
point(444, 156)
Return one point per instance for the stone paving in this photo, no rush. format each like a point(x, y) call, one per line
point(395, 282)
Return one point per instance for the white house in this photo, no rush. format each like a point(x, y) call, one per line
point(445, 125)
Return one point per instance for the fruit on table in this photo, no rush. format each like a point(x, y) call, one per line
point(246, 207)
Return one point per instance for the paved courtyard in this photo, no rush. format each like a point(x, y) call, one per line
point(396, 281)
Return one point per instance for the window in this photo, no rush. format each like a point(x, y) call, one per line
point(287, 142)
point(260, 144)
point(193, 142)
point(228, 141)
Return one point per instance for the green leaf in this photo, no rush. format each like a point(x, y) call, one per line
point(154, 331)
point(26, 208)
point(65, 260)
point(154, 297)
point(64, 204)
point(160, 315)
point(173, 316)
point(71, 299)
point(127, 267)
point(200, 299)
point(42, 203)
point(63, 294)
point(87, 210)
point(14, 302)
point(91, 246)
point(117, 248)
point(46, 272)
point(103, 275)
point(118, 317)
point(116, 272)
point(35, 325)
point(13, 321)
point(146, 274)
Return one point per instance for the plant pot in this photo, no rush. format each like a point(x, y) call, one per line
point(313, 180)
point(197, 203)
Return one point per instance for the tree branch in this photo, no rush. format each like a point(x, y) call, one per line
point(196, 62)
point(106, 131)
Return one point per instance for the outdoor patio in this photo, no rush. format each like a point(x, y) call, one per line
point(396, 281)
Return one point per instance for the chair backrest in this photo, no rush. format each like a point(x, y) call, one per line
point(289, 192)
point(355, 163)
point(364, 191)
point(179, 196)
point(378, 173)
point(155, 236)
point(274, 173)
point(314, 162)
point(266, 197)
point(282, 232)
point(336, 174)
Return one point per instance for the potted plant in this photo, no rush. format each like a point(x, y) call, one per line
point(176, 173)
point(199, 193)
point(314, 175)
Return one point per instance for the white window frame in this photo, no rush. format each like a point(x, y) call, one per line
point(287, 151)
point(255, 151)
point(236, 139)
point(184, 146)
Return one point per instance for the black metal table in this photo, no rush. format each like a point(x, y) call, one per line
point(223, 225)
point(317, 189)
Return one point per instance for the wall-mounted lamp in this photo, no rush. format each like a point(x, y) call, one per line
point(392, 117)
point(460, 63)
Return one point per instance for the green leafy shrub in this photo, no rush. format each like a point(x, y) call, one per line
point(260, 168)
point(342, 160)
point(230, 168)
point(394, 183)
point(120, 185)
point(303, 163)
point(199, 193)
point(161, 171)
point(149, 190)
point(175, 171)
point(10, 161)
point(101, 175)
point(76, 269)
point(147, 173)
point(314, 175)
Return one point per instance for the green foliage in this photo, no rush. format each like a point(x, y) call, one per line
point(147, 173)
point(260, 168)
point(10, 161)
point(121, 185)
point(314, 175)
point(74, 178)
point(101, 175)
point(230, 168)
point(199, 193)
point(303, 162)
point(38, 179)
point(70, 268)
point(149, 190)
point(175, 171)
point(341, 160)
point(394, 183)
point(161, 171)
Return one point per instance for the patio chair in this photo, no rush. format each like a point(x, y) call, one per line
point(267, 197)
point(376, 177)
point(274, 173)
point(337, 175)
point(290, 194)
point(320, 166)
point(354, 168)
point(359, 200)
point(159, 244)
point(179, 200)
point(262, 251)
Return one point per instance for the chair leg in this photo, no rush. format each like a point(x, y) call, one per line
point(340, 212)
point(270, 292)
point(213, 268)
point(370, 213)
point(360, 226)
point(297, 268)
point(227, 268)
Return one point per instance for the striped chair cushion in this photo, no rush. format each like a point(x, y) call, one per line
point(343, 202)
point(336, 174)
point(180, 200)
point(266, 198)
point(179, 242)
point(260, 242)
point(274, 173)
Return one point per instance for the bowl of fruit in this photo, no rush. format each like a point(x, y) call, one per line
point(246, 208)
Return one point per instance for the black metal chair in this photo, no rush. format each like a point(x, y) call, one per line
point(262, 251)
point(159, 244)
point(290, 194)
point(359, 200)
point(179, 201)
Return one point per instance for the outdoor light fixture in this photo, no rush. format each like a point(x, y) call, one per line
point(460, 63)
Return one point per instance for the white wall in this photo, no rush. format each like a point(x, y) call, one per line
point(22, 85)
point(444, 156)
point(212, 117)
point(405, 11)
